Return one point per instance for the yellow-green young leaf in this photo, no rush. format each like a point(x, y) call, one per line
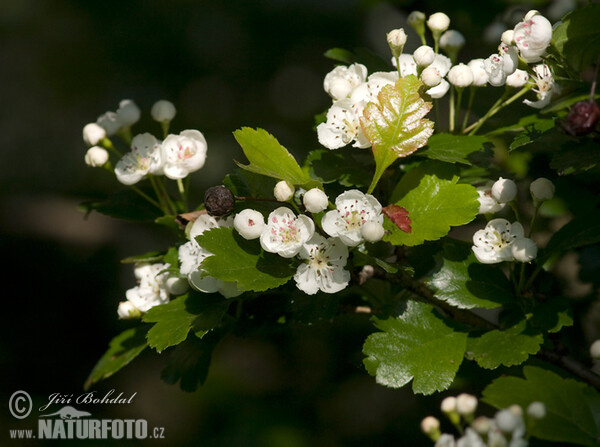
point(572, 407)
point(395, 125)
point(268, 157)
point(415, 346)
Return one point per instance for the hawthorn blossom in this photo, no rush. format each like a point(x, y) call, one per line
point(499, 66)
point(93, 133)
point(96, 156)
point(340, 82)
point(493, 243)
point(343, 126)
point(532, 36)
point(545, 86)
point(315, 200)
point(151, 289)
point(183, 153)
point(487, 203)
point(324, 264)
point(109, 122)
point(144, 158)
point(542, 189)
point(369, 91)
point(128, 113)
point(408, 65)
point(285, 232)
point(439, 90)
point(480, 76)
point(249, 223)
point(353, 210)
point(163, 111)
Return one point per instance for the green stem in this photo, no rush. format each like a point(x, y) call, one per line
point(496, 108)
point(398, 66)
point(451, 116)
point(472, 91)
point(147, 197)
point(107, 143)
point(165, 128)
point(521, 279)
point(533, 218)
point(459, 92)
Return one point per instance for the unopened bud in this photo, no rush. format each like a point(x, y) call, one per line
point(542, 189)
point(504, 190)
point(524, 249)
point(582, 119)
point(451, 42)
point(508, 37)
point(283, 191)
point(96, 157)
point(416, 20)
point(128, 311)
point(249, 223)
point(93, 133)
point(517, 79)
point(128, 113)
point(424, 55)
point(372, 231)
point(507, 420)
point(482, 425)
point(536, 410)
point(396, 39)
point(176, 285)
point(460, 76)
point(595, 350)
point(448, 405)
point(466, 404)
point(430, 426)
point(530, 14)
point(163, 111)
point(431, 77)
point(438, 22)
point(315, 200)
point(218, 200)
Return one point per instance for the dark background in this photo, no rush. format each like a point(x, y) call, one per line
point(225, 64)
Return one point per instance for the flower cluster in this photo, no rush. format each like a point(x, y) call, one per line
point(506, 428)
point(151, 290)
point(500, 240)
point(356, 218)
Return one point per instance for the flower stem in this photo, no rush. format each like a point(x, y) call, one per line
point(147, 197)
point(498, 105)
point(451, 116)
point(472, 91)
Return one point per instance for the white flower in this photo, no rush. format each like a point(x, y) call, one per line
point(324, 266)
point(508, 37)
point(595, 350)
point(445, 440)
point(430, 425)
point(151, 290)
point(439, 90)
point(480, 76)
point(340, 81)
point(494, 67)
point(315, 200)
point(372, 231)
point(542, 189)
point(176, 285)
point(487, 204)
point(396, 40)
point(510, 58)
point(442, 64)
point(431, 77)
point(438, 22)
point(343, 126)
point(504, 190)
point(183, 153)
point(508, 421)
point(493, 244)
point(369, 91)
point(448, 405)
point(163, 111)
point(285, 233)
point(466, 404)
point(470, 439)
point(536, 410)
point(249, 223)
point(460, 76)
point(532, 36)
point(93, 133)
point(144, 158)
point(544, 81)
point(424, 55)
point(96, 156)
point(109, 122)
point(353, 210)
point(518, 79)
point(283, 191)
point(127, 311)
point(408, 65)
point(128, 113)
point(524, 250)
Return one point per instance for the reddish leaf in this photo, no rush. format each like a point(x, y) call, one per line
point(399, 216)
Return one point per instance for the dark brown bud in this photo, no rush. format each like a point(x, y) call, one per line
point(582, 118)
point(218, 201)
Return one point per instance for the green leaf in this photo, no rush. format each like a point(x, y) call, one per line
point(174, 320)
point(329, 166)
point(572, 407)
point(434, 206)
point(552, 315)
point(531, 131)
point(122, 349)
point(504, 347)
point(465, 149)
point(189, 361)
point(340, 55)
point(581, 231)
point(395, 125)
point(416, 346)
point(577, 37)
point(151, 256)
point(244, 262)
point(248, 184)
point(576, 156)
point(463, 282)
point(268, 157)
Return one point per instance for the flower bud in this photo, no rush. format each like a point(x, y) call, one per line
point(396, 40)
point(93, 133)
point(109, 122)
point(482, 425)
point(424, 55)
point(504, 190)
point(480, 76)
point(466, 404)
point(518, 79)
point(430, 426)
point(508, 37)
point(460, 76)
point(218, 200)
point(128, 311)
point(249, 223)
point(416, 19)
point(536, 410)
point(438, 22)
point(128, 113)
point(451, 42)
point(176, 285)
point(582, 119)
point(531, 14)
point(448, 405)
point(431, 77)
point(542, 189)
point(283, 191)
point(595, 350)
point(372, 231)
point(163, 111)
point(96, 157)
point(315, 200)
point(523, 249)
point(507, 421)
